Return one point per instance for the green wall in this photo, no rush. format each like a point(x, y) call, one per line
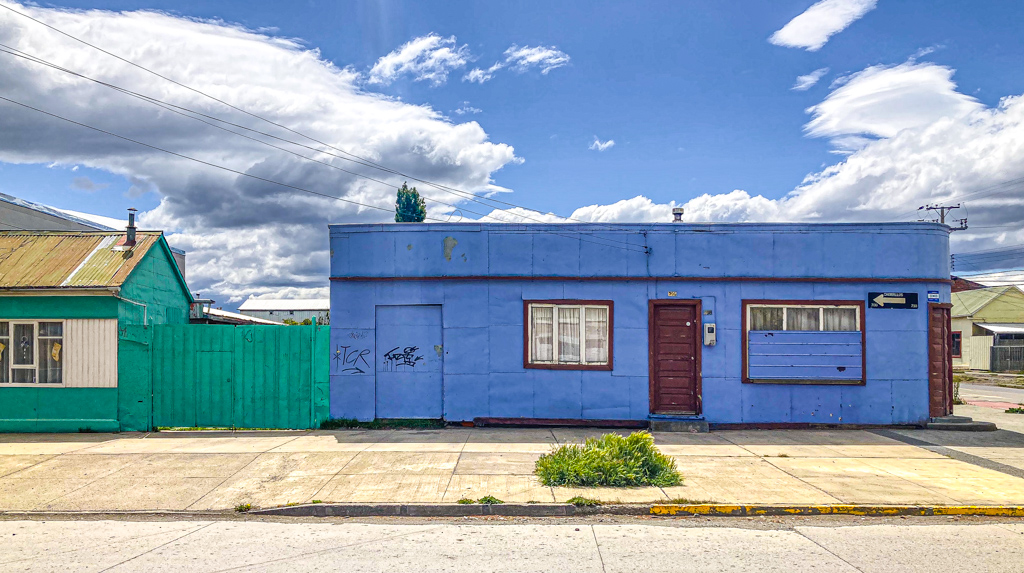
point(156, 282)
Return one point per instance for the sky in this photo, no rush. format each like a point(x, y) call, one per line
point(790, 110)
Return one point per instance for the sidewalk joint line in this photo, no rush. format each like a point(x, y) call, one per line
point(826, 549)
point(158, 547)
point(954, 454)
point(598, 546)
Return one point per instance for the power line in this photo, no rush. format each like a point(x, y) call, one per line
point(365, 161)
point(297, 188)
point(600, 240)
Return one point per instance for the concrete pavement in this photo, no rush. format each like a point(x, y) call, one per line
point(219, 470)
point(558, 545)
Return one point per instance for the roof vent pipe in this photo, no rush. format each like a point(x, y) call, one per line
point(130, 235)
point(677, 214)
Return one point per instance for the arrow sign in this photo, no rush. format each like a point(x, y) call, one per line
point(892, 300)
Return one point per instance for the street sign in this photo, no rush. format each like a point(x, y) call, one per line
point(892, 299)
point(933, 296)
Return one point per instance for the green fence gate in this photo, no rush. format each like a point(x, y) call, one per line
point(239, 376)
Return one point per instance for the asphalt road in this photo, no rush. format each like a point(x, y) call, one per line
point(991, 393)
point(868, 545)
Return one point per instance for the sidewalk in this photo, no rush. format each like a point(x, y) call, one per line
point(218, 470)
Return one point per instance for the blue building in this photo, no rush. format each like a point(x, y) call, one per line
point(768, 324)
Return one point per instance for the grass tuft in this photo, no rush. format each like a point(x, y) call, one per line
point(378, 424)
point(489, 500)
point(611, 460)
point(243, 507)
point(1016, 410)
point(580, 501)
point(688, 501)
point(466, 501)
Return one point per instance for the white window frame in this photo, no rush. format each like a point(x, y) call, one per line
point(607, 307)
point(35, 356)
point(821, 315)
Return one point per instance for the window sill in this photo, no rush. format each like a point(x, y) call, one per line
point(605, 367)
point(32, 385)
point(805, 382)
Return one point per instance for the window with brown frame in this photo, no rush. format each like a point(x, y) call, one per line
point(567, 334)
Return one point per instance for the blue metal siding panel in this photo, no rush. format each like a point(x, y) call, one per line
point(353, 397)
point(557, 255)
point(466, 304)
point(505, 345)
point(798, 355)
point(629, 352)
point(465, 397)
point(510, 395)
point(505, 303)
point(466, 350)
point(409, 362)
point(558, 394)
point(605, 397)
point(510, 254)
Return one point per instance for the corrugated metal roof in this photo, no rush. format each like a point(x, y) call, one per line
point(254, 304)
point(68, 259)
point(968, 302)
point(1003, 328)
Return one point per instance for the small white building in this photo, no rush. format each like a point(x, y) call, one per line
point(297, 309)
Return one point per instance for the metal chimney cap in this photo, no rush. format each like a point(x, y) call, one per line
point(677, 214)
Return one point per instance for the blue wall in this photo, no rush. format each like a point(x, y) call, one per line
point(482, 313)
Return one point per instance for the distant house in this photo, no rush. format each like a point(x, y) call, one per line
point(67, 302)
point(278, 309)
point(17, 214)
point(960, 284)
point(983, 318)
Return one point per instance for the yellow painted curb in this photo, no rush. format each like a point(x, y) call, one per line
point(715, 509)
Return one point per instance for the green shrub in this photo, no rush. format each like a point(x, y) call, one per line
point(580, 501)
point(466, 501)
point(1016, 410)
point(489, 500)
point(611, 460)
point(243, 507)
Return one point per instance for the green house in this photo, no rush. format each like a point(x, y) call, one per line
point(67, 299)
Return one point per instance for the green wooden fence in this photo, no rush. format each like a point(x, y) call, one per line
point(238, 376)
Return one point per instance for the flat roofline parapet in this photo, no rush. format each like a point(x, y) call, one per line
point(894, 227)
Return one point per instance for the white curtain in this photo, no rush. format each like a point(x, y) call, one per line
point(542, 348)
point(840, 319)
point(568, 334)
point(802, 318)
point(766, 318)
point(597, 335)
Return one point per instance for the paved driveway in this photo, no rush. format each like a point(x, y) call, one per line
point(218, 470)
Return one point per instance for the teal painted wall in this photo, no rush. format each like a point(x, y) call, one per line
point(155, 282)
point(58, 409)
point(67, 306)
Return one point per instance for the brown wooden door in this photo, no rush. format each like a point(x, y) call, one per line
point(940, 361)
point(675, 356)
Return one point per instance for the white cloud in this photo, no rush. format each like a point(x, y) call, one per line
point(881, 101)
point(467, 109)
point(813, 28)
point(427, 58)
point(521, 60)
point(804, 83)
point(242, 236)
point(86, 184)
point(546, 58)
point(599, 145)
point(970, 156)
point(480, 75)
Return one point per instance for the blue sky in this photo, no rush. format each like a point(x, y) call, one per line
point(693, 94)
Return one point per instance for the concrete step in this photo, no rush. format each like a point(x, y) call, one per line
point(693, 426)
point(959, 424)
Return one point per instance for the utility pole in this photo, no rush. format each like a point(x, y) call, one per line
point(943, 209)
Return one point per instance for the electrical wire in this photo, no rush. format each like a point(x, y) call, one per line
point(175, 109)
point(365, 161)
point(207, 163)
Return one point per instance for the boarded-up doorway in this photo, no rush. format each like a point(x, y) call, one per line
point(409, 362)
point(940, 361)
point(674, 356)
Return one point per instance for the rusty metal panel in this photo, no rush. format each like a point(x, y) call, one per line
point(53, 259)
point(90, 353)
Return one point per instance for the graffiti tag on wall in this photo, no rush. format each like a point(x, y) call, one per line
point(349, 360)
point(398, 357)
